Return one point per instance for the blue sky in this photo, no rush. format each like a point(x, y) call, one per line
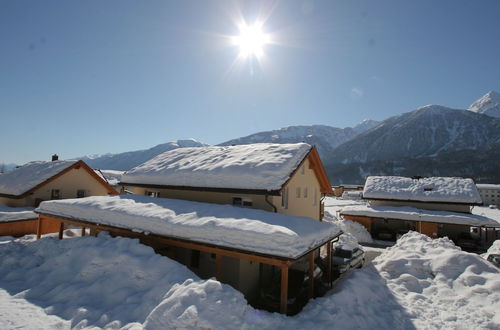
point(85, 77)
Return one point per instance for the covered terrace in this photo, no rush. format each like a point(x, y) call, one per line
point(225, 231)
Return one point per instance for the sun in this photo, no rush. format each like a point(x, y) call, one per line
point(251, 40)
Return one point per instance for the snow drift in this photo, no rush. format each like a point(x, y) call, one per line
point(114, 283)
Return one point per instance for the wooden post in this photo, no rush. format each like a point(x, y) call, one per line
point(218, 267)
point(39, 228)
point(311, 274)
point(83, 231)
point(61, 229)
point(329, 262)
point(284, 289)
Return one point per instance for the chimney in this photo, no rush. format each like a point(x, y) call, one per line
point(55, 157)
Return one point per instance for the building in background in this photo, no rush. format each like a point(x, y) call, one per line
point(435, 206)
point(490, 193)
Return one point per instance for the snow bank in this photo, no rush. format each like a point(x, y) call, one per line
point(357, 230)
point(433, 189)
point(22, 179)
point(419, 283)
point(414, 214)
point(103, 281)
point(8, 214)
point(223, 225)
point(261, 166)
point(494, 248)
point(199, 305)
point(353, 232)
point(440, 285)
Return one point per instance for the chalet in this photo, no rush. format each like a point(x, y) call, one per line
point(35, 182)
point(241, 247)
point(435, 206)
point(282, 178)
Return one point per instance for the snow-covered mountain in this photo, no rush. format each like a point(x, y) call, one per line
point(425, 132)
point(325, 138)
point(127, 160)
point(489, 105)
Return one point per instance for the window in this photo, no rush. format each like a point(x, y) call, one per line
point(297, 192)
point(80, 193)
point(302, 170)
point(305, 192)
point(242, 202)
point(284, 198)
point(152, 193)
point(55, 194)
point(315, 196)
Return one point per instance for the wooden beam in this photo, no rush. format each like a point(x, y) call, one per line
point(61, 229)
point(39, 228)
point(218, 267)
point(284, 290)
point(83, 231)
point(329, 262)
point(311, 274)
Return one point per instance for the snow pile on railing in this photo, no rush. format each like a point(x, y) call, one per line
point(8, 214)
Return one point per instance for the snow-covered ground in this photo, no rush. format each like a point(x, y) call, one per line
point(112, 283)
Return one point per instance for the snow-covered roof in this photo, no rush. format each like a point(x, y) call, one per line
point(113, 177)
point(433, 189)
point(222, 225)
point(28, 176)
point(488, 186)
point(414, 214)
point(8, 214)
point(261, 166)
point(487, 212)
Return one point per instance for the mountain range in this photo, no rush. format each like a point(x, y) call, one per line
point(128, 160)
point(325, 138)
point(429, 141)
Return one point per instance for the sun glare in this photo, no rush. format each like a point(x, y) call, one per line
point(251, 40)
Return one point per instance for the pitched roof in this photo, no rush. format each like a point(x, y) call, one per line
point(30, 176)
point(434, 189)
point(261, 166)
point(221, 225)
